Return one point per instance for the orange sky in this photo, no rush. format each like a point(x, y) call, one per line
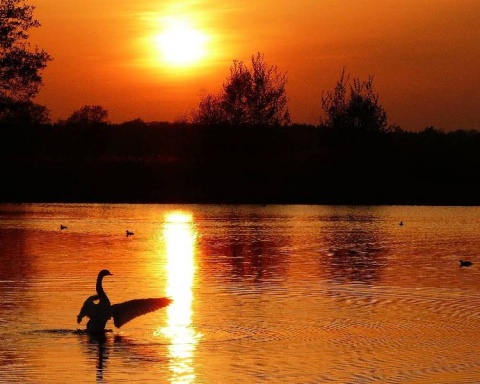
point(424, 55)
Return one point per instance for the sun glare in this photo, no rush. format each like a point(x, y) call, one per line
point(181, 44)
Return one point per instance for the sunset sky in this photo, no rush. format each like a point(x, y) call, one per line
point(153, 59)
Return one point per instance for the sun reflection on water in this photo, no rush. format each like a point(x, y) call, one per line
point(180, 237)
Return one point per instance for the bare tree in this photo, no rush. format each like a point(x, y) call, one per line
point(250, 96)
point(354, 106)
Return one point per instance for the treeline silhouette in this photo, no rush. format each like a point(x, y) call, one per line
point(238, 146)
point(192, 163)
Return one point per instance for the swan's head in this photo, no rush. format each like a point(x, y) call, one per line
point(104, 272)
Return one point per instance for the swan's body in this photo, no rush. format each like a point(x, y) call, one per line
point(99, 309)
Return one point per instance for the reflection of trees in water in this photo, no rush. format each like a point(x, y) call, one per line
point(355, 250)
point(247, 250)
point(352, 247)
point(17, 269)
point(16, 263)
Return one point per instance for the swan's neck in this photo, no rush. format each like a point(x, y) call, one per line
point(100, 290)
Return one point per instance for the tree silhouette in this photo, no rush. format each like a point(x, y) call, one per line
point(210, 111)
point(20, 67)
point(26, 112)
point(354, 106)
point(88, 115)
point(250, 96)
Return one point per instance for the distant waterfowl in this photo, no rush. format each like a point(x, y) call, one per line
point(128, 233)
point(401, 223)
point(99, 309)
point(63, 226)
point(465, 263)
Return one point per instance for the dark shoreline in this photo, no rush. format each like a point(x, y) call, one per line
point(234, 199)
point(189, 164)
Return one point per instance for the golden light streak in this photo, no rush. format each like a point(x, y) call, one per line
point(180, 237)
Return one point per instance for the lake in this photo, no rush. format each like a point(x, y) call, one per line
point(261, 293)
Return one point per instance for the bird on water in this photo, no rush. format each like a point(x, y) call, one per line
point(99, 309)
point(129, 233)
point(465, 263)
point(63, 226)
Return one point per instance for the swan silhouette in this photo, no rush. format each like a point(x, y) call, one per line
point(63, 226)
point(129, 233)
point(465, 263)
point(99, 309)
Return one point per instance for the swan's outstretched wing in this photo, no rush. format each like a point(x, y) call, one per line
point(124, 312)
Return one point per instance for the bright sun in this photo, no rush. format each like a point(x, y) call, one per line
point(181, 44)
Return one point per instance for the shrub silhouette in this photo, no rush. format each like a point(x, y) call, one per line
point(354, 106)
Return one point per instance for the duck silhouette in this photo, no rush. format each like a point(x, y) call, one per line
point(99, 310)
point(465, 263)
point(128, 233)
point(63, 226)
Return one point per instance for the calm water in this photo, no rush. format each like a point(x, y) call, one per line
point(262, 294)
